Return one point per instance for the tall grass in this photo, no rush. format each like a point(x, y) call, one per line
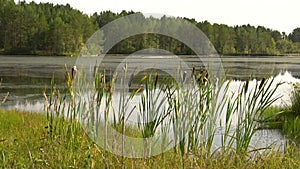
point(4, 98)
point(291, 118)
point(295, 98)
point(249, 104)
point(193, 111)
point(286, 118)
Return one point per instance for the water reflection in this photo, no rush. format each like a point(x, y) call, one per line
point(25, 78)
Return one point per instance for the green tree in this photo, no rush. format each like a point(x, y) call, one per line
point(224, 39)
point(295, 35)
point(245, 39)
point(61, 30)
point(276, 35)
point(285, 46)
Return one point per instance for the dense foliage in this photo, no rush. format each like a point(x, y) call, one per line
point(42, 28)
point(48, 29)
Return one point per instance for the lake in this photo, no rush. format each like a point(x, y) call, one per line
point(26, 77)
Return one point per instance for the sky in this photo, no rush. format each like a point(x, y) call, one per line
point(281, 15)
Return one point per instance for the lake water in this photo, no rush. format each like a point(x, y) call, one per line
point(26, 77)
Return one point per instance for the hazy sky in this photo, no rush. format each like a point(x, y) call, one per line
point(281, 15)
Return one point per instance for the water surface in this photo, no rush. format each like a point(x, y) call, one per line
point(27, 77)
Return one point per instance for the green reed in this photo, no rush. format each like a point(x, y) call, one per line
point(291, 120)
point(248, 105)
point(295, 98)
point(192, 111)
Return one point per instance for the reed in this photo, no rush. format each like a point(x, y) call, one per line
point(191, 111)
point(285, 118)
point(194, 112)
point(295, 98)
point(250, 105)
point(291, 121)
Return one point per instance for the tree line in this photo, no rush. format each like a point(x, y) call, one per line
point(43, 28)
point(47, 29)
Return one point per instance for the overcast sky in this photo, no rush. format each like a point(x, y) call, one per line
point(281, 15)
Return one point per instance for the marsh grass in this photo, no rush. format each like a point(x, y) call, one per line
point(193, 113)
point(291, 125)
point(249, 106)
point(285, 118)
point(295, 98)
point(25, 143)
point(273, 118)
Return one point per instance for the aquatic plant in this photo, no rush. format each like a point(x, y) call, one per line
point(295, 98)
point(249, 105)
point(4, 98)
point(291, 121)
point(194, 112)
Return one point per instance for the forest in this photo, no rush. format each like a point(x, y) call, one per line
point(48, 29)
